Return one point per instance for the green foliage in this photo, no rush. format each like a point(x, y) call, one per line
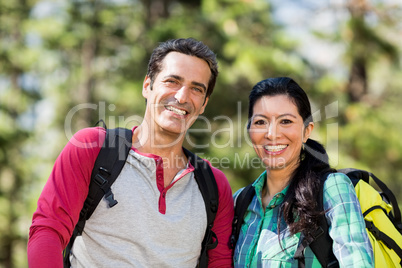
point(17, 97)
point(56, 56)
point(369, 129)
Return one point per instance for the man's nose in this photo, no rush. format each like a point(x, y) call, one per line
point(182, 94)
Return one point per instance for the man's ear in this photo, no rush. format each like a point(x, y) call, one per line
point(146, 86)
point(307, 131)
point(204, 105)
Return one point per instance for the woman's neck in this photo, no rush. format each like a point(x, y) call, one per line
point(277, 180)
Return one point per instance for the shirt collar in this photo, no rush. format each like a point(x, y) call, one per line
point(259, 184)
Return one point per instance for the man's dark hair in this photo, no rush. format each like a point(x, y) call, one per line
point(189, 47)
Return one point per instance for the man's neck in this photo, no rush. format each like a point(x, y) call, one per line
point(168, 147)
point(162, 144)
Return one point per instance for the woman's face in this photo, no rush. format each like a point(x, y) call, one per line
point(277, 132)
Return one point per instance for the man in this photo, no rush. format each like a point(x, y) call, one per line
point(160, 219)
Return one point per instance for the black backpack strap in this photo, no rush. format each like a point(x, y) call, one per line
point(356, 174)
point(107, 167)
point(319, 241)
point(243, 200)
point(209, 190)
point(388, 241)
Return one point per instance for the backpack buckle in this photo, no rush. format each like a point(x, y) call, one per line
point(373, 229)
point(109, 196)
point(317, 233)
point(99, 179)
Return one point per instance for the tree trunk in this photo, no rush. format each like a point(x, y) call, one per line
point(357, 85)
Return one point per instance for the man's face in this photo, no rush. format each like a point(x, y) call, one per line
point(178, 93)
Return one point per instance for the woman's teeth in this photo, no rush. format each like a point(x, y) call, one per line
point(275, 148)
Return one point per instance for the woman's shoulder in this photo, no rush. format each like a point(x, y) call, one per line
point(337, 178)
point(338, 187)
point(236, 194)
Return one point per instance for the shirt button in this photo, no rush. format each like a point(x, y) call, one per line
point(272, 206)
point(163, 195)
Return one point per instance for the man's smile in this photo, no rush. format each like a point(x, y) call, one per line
point(176, 110)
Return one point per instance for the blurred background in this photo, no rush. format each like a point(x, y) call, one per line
point(66, 64)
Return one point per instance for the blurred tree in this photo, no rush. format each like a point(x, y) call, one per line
point(18, 92)
point(66, 64)
point(367, 90)
point(365, 40)
point(95, 45)
point(373, 48)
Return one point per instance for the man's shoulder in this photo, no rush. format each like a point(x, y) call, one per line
point(221, 179)
point(88, 138)
point(218, 174)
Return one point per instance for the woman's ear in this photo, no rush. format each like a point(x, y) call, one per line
point(307, 131)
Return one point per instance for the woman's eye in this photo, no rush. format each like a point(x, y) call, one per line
point(259, 122)
point(286, 121)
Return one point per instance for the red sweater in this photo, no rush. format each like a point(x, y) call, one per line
point(66, 189)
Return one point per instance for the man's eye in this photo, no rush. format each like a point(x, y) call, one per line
point(198, 89)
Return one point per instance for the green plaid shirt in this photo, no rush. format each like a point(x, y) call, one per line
point(259, 245)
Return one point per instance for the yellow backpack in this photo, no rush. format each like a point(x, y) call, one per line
point(383, 223)
point(380, 225)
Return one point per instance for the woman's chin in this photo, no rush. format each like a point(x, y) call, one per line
point(275, 163)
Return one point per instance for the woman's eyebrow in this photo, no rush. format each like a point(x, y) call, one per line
point(279, 116)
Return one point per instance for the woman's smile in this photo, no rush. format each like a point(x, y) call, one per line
point(277, 131)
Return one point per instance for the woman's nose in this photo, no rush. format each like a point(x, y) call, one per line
point(271, 132)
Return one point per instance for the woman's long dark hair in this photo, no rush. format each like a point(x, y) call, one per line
point(299, 208)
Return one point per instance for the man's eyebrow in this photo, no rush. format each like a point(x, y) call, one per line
point(174, 76)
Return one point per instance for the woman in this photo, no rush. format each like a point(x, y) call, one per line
point(284, 210)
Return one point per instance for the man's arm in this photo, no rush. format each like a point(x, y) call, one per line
point(222, 255)
point(62, 198)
